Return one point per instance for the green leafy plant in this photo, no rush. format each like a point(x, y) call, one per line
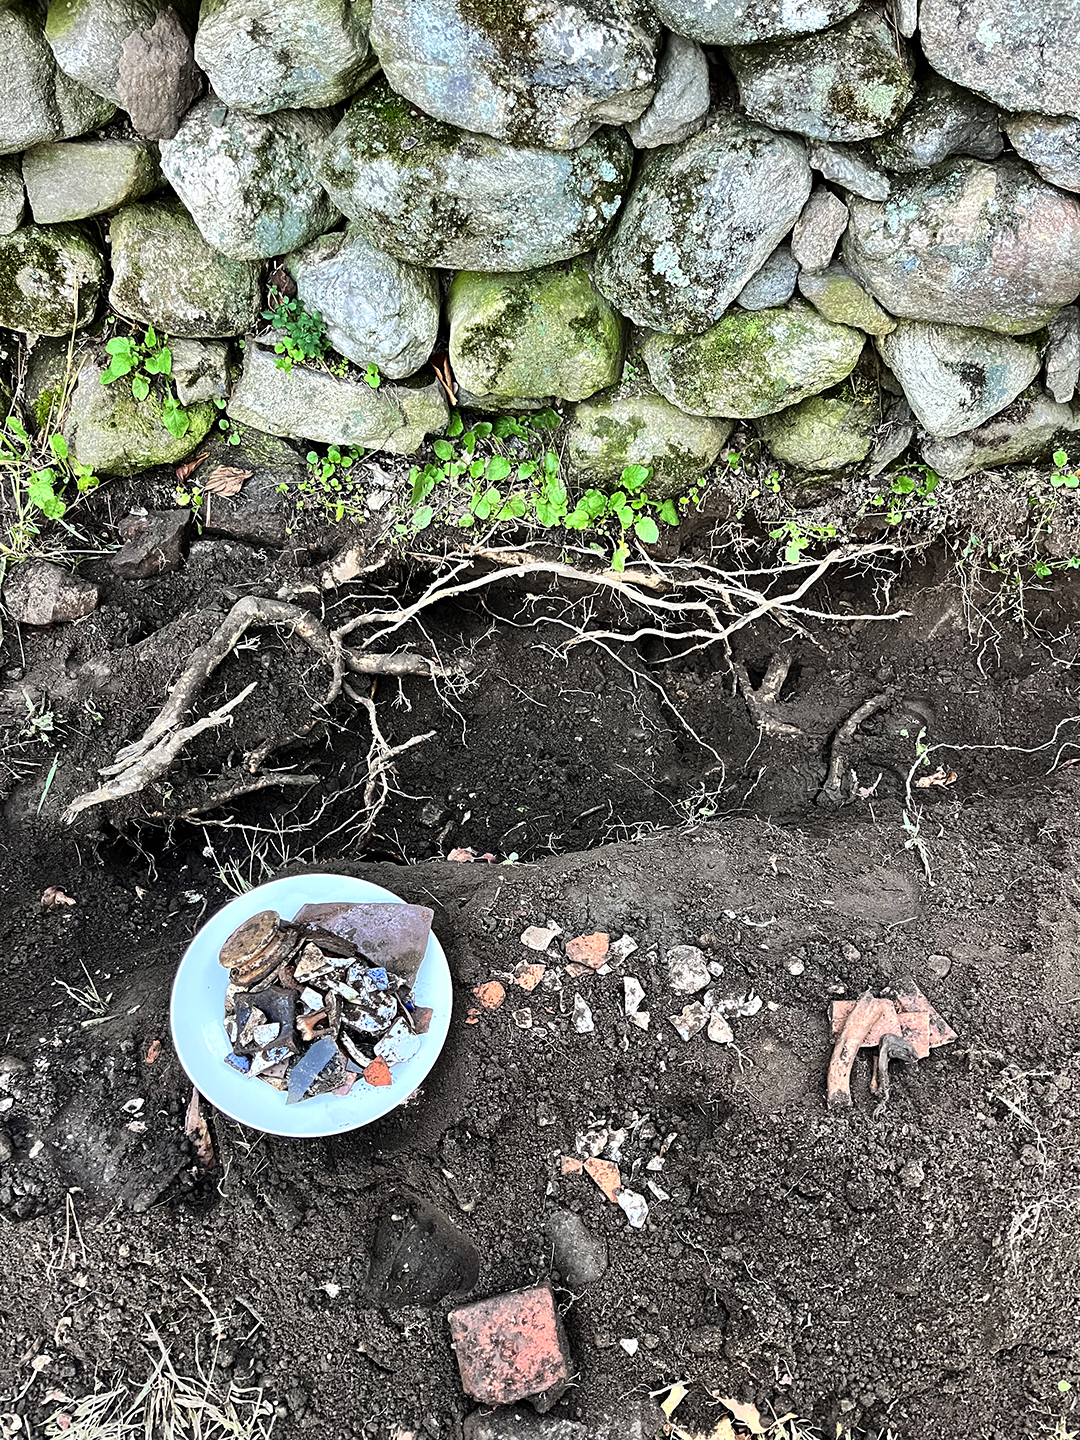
point(796, 538)
point(302, 332)
point(1063, 477)
point(506, 470)
point(144, 361)
point(372, 376)
point(330, 484)
point(232, 435)
point(906, 492)
point(44, 480)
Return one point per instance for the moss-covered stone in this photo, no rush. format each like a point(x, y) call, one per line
point(701, 220)
point(37, 101)
point(50, 279)
point(821, 434)
point(431, 194)
point(540, 332)
point(165, 274)
point(304, 403)
point(752, 363)
point(841, 299)
point(632, 424)
point(71, 180)
point(267, 55)
point(532, 74)
point(846, 83)
point(1026, 430)
point(115, 434)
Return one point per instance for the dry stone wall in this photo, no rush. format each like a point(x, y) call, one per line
point(670, 215)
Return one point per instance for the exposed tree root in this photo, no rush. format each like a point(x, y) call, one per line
point(762, 702)
point(149, 757)
point(832, 793)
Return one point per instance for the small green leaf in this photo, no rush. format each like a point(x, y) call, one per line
point(456, 425)
point(668, 513)
point(634, 476)
point(498, 468)
point(140, 387)
point(58, 446)
point(443, 449)
point(1061, 459)
point(619, 557)
point(646, 530)
point(423, 517)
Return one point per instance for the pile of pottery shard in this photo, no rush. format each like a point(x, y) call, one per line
point(316, 1003)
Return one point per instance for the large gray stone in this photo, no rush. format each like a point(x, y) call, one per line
point(822, 434)
point(633, 424)
point(681, 102)
point(841, 299)
point(954, 378)
point(378, 310)
point(69, 180)
point(848, 167)
point(580, 1257)
point(1049, 142)
point(818, 230)
point(165, 274)
point(774, 283)
point(541, 332)
point(50, 279)
point(304, 403)
point(36, 105)
point(1021, 56)
point(535, 72)
point(87, 38)
point(267, 55)
point(1031, 427)
point(40, 593)
point(745, 22)
point(847, 83)
point(1063, 354)
point(434, 195)
point(969, 244)
point(248, 181)
point(12, 195)
point(115, 434)
point(752, 364)
point(942, 120)
point(702, 218)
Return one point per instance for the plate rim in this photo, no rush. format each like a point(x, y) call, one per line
point(436, 955)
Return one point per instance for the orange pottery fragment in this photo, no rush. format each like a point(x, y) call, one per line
point(910, 1000)
point(867, 1012)
point(606, 1174)
point(570, 1165)
point(590, 950)
point(154, 1051)
point(491, 994)
point(913, 1027)
point(378, 1072)
point(529, 976)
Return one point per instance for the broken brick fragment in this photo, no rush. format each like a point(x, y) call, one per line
point(910, 1000)
point(570, 1165)
point(606, 1174)
point(529, 976)
point(589, 950)
point(512, 1347)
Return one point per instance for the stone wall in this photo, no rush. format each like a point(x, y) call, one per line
point(670, 214)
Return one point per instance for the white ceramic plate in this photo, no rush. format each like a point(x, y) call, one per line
point(198, 1008)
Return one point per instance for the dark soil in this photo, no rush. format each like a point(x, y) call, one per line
point(908, 1269)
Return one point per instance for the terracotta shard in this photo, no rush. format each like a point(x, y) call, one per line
point(570, 1165)
point(491, 994)
point(378, 1072)
point(529, 976)
point(867, 1012)
point(421, 1018)
point(910, 1000)
point(590, 950)
point(606, 1174)
point(393, 936)
point(913, 1027)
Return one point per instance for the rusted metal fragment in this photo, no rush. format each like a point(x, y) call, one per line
point(892, 1047)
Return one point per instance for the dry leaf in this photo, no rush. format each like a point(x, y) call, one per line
point(190, 466)
point(198, 1132)
point(939, 777)
point(54, 896)
point(225, 480)
point(674, 1398)
point(747, 1415)
point(445, 377)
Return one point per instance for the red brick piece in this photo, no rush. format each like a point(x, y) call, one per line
point(512, 1347)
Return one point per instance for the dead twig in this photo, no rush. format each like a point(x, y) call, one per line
point(380, 764)
point(831, 793)
point(227, 793)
